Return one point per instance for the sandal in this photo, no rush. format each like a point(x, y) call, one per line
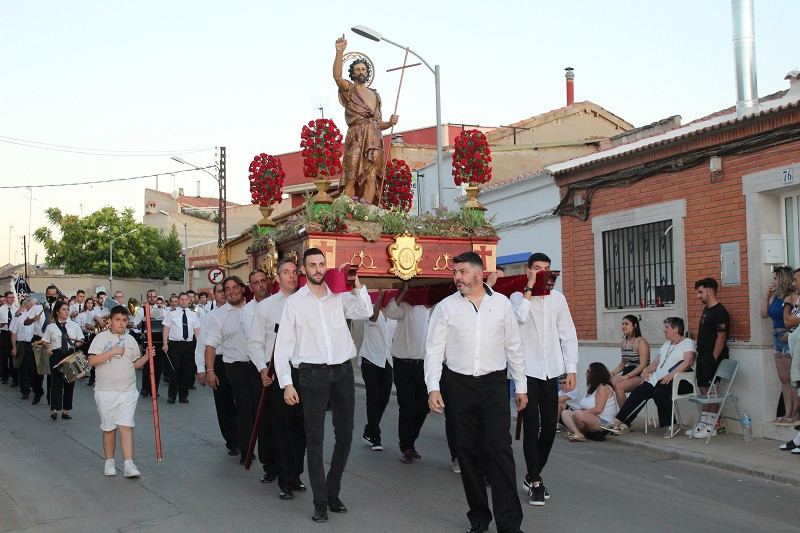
point(574, 437)
point(789, 421)
point(669, 434)
point(778, 421)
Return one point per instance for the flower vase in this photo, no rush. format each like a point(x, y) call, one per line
point(322, 196)
point(266, 211)
point(472, 194)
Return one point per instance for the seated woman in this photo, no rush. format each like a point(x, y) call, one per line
point(598, 407)
point(676, 355)
point(635, 356)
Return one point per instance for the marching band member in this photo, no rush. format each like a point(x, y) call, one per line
point(155, 314)
point(181, 328)
point(7, 311)
point(77, 307)
point(21, 336)
point(65, 336)
point(284, 424)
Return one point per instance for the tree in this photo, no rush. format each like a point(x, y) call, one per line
point(83, 245)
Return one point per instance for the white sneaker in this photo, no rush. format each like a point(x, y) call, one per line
point(130, 469)
point(699, 431)
point(110, 469)
point(457, 466)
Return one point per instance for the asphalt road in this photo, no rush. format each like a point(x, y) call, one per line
point(51, 480)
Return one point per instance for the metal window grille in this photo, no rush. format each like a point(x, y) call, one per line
point(638, 265)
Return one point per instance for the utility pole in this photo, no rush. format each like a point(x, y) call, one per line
point(222, 214)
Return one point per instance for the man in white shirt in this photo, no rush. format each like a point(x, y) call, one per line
point(7, 311)
point(21, 336)
point(283, 425)
point(315, 338)
point(138, 323)
point(225, 333)
point(474, 331)
point(224, 402)
point(551, 349)
point(408, 353)
point(376, 369)
point(181, 328)
point(77, 307)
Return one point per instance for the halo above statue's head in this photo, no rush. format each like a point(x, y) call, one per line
point(351, 58)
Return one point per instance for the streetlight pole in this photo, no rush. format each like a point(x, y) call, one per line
point(221, 177)
point(185, 249)
point(375, 36)
point(111, 260)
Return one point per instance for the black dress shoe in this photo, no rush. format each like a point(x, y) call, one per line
point(65, 416)
point(414, 454)
point(320, 513)
point(53, 416)
point(243, 459)
point(170, 400)
point(14, 384)
point(36, 399)
point(336, 505)
point(4, 381)
point(26, 396)
point(184, 400)
point(145, 393)
point(286, 494)
point(298, 485)
point(477, 527)
point(233, 451)
point(268, 477)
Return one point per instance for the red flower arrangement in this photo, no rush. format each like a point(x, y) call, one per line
point(266, 180)
point(322, 149)
point(397, 187)
point(471, 158)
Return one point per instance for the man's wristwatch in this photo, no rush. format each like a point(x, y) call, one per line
point(527, 289)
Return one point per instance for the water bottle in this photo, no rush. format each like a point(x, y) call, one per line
point(747, 427)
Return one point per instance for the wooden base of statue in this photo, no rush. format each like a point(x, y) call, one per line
point(265, 214)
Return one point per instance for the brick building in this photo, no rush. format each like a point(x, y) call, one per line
point(644, 220)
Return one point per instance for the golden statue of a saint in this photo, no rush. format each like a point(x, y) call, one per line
point(364, 164)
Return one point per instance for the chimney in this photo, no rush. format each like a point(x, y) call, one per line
point(794, 82)
point(744, 56)
point(570, 75)
point(198, 188)
point(180, 191)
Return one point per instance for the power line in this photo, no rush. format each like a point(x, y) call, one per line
point(101, 181)
point(98, 151)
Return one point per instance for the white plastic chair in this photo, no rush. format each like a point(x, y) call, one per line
point(650, 417)
point(725, 371)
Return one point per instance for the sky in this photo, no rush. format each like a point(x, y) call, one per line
point(144, 80)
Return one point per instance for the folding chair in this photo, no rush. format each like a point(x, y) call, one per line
point(725, 371)
point(650, 417)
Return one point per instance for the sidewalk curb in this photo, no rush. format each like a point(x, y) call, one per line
point(694, 457)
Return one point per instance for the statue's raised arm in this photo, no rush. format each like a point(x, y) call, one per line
point(341, 44)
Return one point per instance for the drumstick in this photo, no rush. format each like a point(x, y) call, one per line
point(151, 352)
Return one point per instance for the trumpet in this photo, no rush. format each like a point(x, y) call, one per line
point(133, 306)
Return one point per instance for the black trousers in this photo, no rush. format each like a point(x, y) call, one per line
point(378, 385)
point(7, 369)
point(60, 390)
point(158, 364)
point(449, 418)
point(412, 399)
point(539, 421)
point(225, 405)
point(246, 387)
point(483, 416)
point(287, 434)
point(29, 378)
point(181, 355)
point(318, 385)
point(637, 399)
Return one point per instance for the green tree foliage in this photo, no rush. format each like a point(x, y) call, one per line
point(81, 245)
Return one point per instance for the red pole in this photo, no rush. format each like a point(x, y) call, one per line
point(156, 425)
point(259, 415)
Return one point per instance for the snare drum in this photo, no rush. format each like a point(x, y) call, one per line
point(73, 366)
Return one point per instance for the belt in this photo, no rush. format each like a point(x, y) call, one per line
point(409, 361)
point(169, 340)
point(315, 365)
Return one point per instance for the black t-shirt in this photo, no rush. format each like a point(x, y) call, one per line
point(713, 320)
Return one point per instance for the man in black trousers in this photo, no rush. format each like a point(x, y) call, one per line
point(476, 332)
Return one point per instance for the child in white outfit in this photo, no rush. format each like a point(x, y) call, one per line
point(116, 357)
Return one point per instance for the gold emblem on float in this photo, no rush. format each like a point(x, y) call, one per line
point(405, 254)
point(270, 262)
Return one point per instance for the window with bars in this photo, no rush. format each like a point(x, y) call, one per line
point(638, 265)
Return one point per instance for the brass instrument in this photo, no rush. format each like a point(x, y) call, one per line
point(133, 306)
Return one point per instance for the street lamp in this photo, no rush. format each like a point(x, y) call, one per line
point(222, 217)
point(111, 259)
point(185, 249)
point(375, 36)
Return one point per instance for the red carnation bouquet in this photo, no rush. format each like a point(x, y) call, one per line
point(322, 149)
point(471, 158)
point(397, 187)
point(266, 180)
